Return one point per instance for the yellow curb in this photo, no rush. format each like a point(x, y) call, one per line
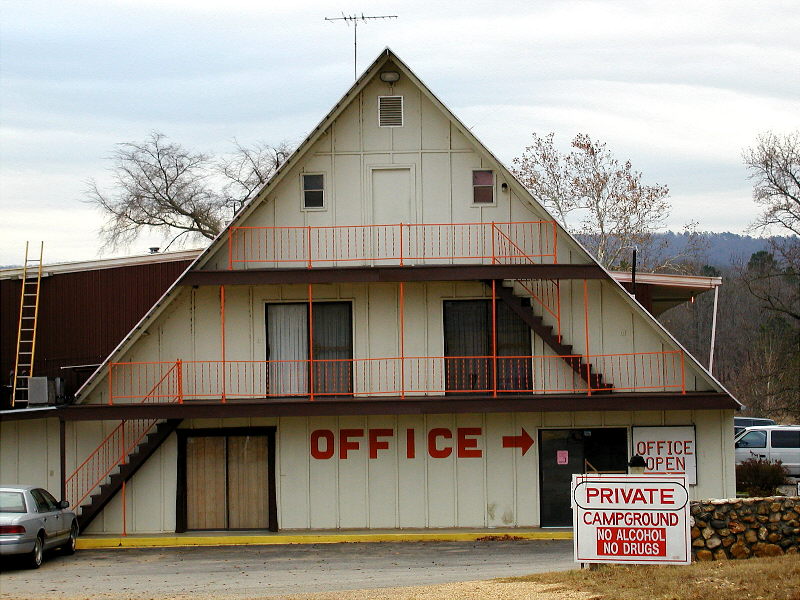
point(336, 538)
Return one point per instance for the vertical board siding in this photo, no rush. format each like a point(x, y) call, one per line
point(498, 489)
point(449, 492)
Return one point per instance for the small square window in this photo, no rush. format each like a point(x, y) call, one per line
point(313, 191)
point(483, 187)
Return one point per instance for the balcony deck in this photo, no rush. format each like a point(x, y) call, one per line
point(393, 405)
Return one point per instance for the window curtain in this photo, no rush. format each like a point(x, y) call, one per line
point(287, 339)
point(514, 341)
point(333, 347)
point(467, 332)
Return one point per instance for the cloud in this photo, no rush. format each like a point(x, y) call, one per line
point(679, 87)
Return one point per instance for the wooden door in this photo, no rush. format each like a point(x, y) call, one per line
point(206, 494)
point(248, 482)
point(227, 482)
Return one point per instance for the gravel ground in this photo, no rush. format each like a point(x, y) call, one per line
point(467, 590)
point(377, 570)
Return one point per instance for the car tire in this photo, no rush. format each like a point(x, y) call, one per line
point(36, 556)
point(69, 547)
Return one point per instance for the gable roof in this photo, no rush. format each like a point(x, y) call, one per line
point(386, 56)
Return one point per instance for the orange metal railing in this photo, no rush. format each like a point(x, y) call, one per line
point(411, 375)
point(397, 244)
point(123, 440)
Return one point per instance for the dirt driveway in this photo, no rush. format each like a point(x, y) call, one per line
point(278, 571)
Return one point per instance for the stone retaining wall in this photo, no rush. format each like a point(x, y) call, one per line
point(745, 527)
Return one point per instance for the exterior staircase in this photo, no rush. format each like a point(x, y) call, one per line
point(522, 308)
point(127, 468)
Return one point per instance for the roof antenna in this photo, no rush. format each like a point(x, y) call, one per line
point(354, 19)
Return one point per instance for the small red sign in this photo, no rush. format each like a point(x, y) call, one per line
point(631, 541)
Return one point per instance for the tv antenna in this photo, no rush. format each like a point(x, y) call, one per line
point(354, 19)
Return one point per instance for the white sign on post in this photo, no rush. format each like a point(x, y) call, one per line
point(632, 519)
point(667, 451)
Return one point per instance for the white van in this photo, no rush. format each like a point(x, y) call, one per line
point(776, 442)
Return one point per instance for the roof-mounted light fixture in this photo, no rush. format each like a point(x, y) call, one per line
point(390, 76)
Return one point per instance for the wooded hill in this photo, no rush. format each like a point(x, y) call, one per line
point(757, 349)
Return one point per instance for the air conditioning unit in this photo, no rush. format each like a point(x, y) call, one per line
point(41, 392)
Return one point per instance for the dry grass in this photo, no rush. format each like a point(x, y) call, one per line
point(754, 579)
point(758, 578)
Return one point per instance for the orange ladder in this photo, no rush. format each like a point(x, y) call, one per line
point(26, 330)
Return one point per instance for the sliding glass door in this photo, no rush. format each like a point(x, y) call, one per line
point(468, 348)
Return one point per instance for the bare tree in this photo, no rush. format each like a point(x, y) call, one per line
point(774, 165)
point(162, 187)
point(247, 169)
point(600, 198)
point(774, 278)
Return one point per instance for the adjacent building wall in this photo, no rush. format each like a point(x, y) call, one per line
point(82, 316)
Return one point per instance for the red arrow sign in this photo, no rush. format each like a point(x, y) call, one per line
point(523, 441)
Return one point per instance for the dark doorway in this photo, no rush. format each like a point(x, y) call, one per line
point(563, 452)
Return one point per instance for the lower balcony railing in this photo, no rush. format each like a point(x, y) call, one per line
point(408, 376)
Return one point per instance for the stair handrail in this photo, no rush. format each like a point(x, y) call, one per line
point(124, 451)
point(556, 314)
point(510, 241)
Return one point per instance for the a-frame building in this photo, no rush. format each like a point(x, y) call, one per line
point(393, 334)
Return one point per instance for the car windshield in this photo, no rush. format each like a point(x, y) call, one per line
point(753, 439)
point(12, 502)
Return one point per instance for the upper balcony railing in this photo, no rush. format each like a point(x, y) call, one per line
point(400, 244)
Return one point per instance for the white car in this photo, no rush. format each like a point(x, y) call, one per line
point(774, 442)
point(32, 521)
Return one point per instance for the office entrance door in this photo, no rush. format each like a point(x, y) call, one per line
point(564, 452)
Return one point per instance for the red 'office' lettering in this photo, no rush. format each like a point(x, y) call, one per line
point(375, 443)
point(316, 451)
point(344, 441)
point(411, 449)
point(468, 446)
point(433, 450)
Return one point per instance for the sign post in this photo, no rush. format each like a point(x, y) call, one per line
point(631, 519)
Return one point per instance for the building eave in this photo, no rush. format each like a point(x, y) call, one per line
point(81, 266)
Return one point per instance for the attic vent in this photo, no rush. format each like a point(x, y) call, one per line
point(390, 111)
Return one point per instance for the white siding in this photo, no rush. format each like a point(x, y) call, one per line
point(497, 489)
point(29, 454)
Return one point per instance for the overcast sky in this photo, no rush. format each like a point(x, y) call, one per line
point(679, 88)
